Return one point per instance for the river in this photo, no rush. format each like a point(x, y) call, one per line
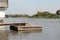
point(51, 29)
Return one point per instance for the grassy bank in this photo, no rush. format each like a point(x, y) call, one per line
point(1, 21)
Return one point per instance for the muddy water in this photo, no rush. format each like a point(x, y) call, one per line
point(51, 30)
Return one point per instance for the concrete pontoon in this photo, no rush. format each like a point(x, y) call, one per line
point(25, 27)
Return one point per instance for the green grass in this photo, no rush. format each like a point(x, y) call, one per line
point(1, 21)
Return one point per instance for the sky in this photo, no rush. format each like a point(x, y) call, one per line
point(31, 7)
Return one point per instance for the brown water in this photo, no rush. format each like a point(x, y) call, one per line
point(51, 30)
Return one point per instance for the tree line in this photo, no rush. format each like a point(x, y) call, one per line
point(44, 14)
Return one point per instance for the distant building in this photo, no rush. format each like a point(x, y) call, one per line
point(3, 7)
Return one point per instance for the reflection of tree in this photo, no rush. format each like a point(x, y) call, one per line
point(58, 13)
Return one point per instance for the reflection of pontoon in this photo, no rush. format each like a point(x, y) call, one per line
point(25, 27)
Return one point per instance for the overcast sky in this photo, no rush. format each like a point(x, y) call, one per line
point(32, 6)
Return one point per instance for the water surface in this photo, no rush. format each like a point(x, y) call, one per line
point(51, 29)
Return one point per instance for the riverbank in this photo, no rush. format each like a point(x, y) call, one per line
point(2, 27)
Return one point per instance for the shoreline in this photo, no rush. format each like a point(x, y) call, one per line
point(2, 27)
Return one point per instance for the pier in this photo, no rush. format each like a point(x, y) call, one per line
point(4, 24)
point(23, 27)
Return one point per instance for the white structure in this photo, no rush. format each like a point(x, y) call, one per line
point(2, 14)
point(3, 7)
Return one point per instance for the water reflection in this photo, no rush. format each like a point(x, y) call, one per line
point(50, 31)
point(3, 35)
point(14, 35)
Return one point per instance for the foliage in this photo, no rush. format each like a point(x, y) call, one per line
point(39, 14)
point(58, 13)
point(45, 14)
point(1, 20)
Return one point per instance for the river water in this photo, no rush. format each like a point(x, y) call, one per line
point(51, 29)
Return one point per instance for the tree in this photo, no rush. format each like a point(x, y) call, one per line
point(58, 13)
